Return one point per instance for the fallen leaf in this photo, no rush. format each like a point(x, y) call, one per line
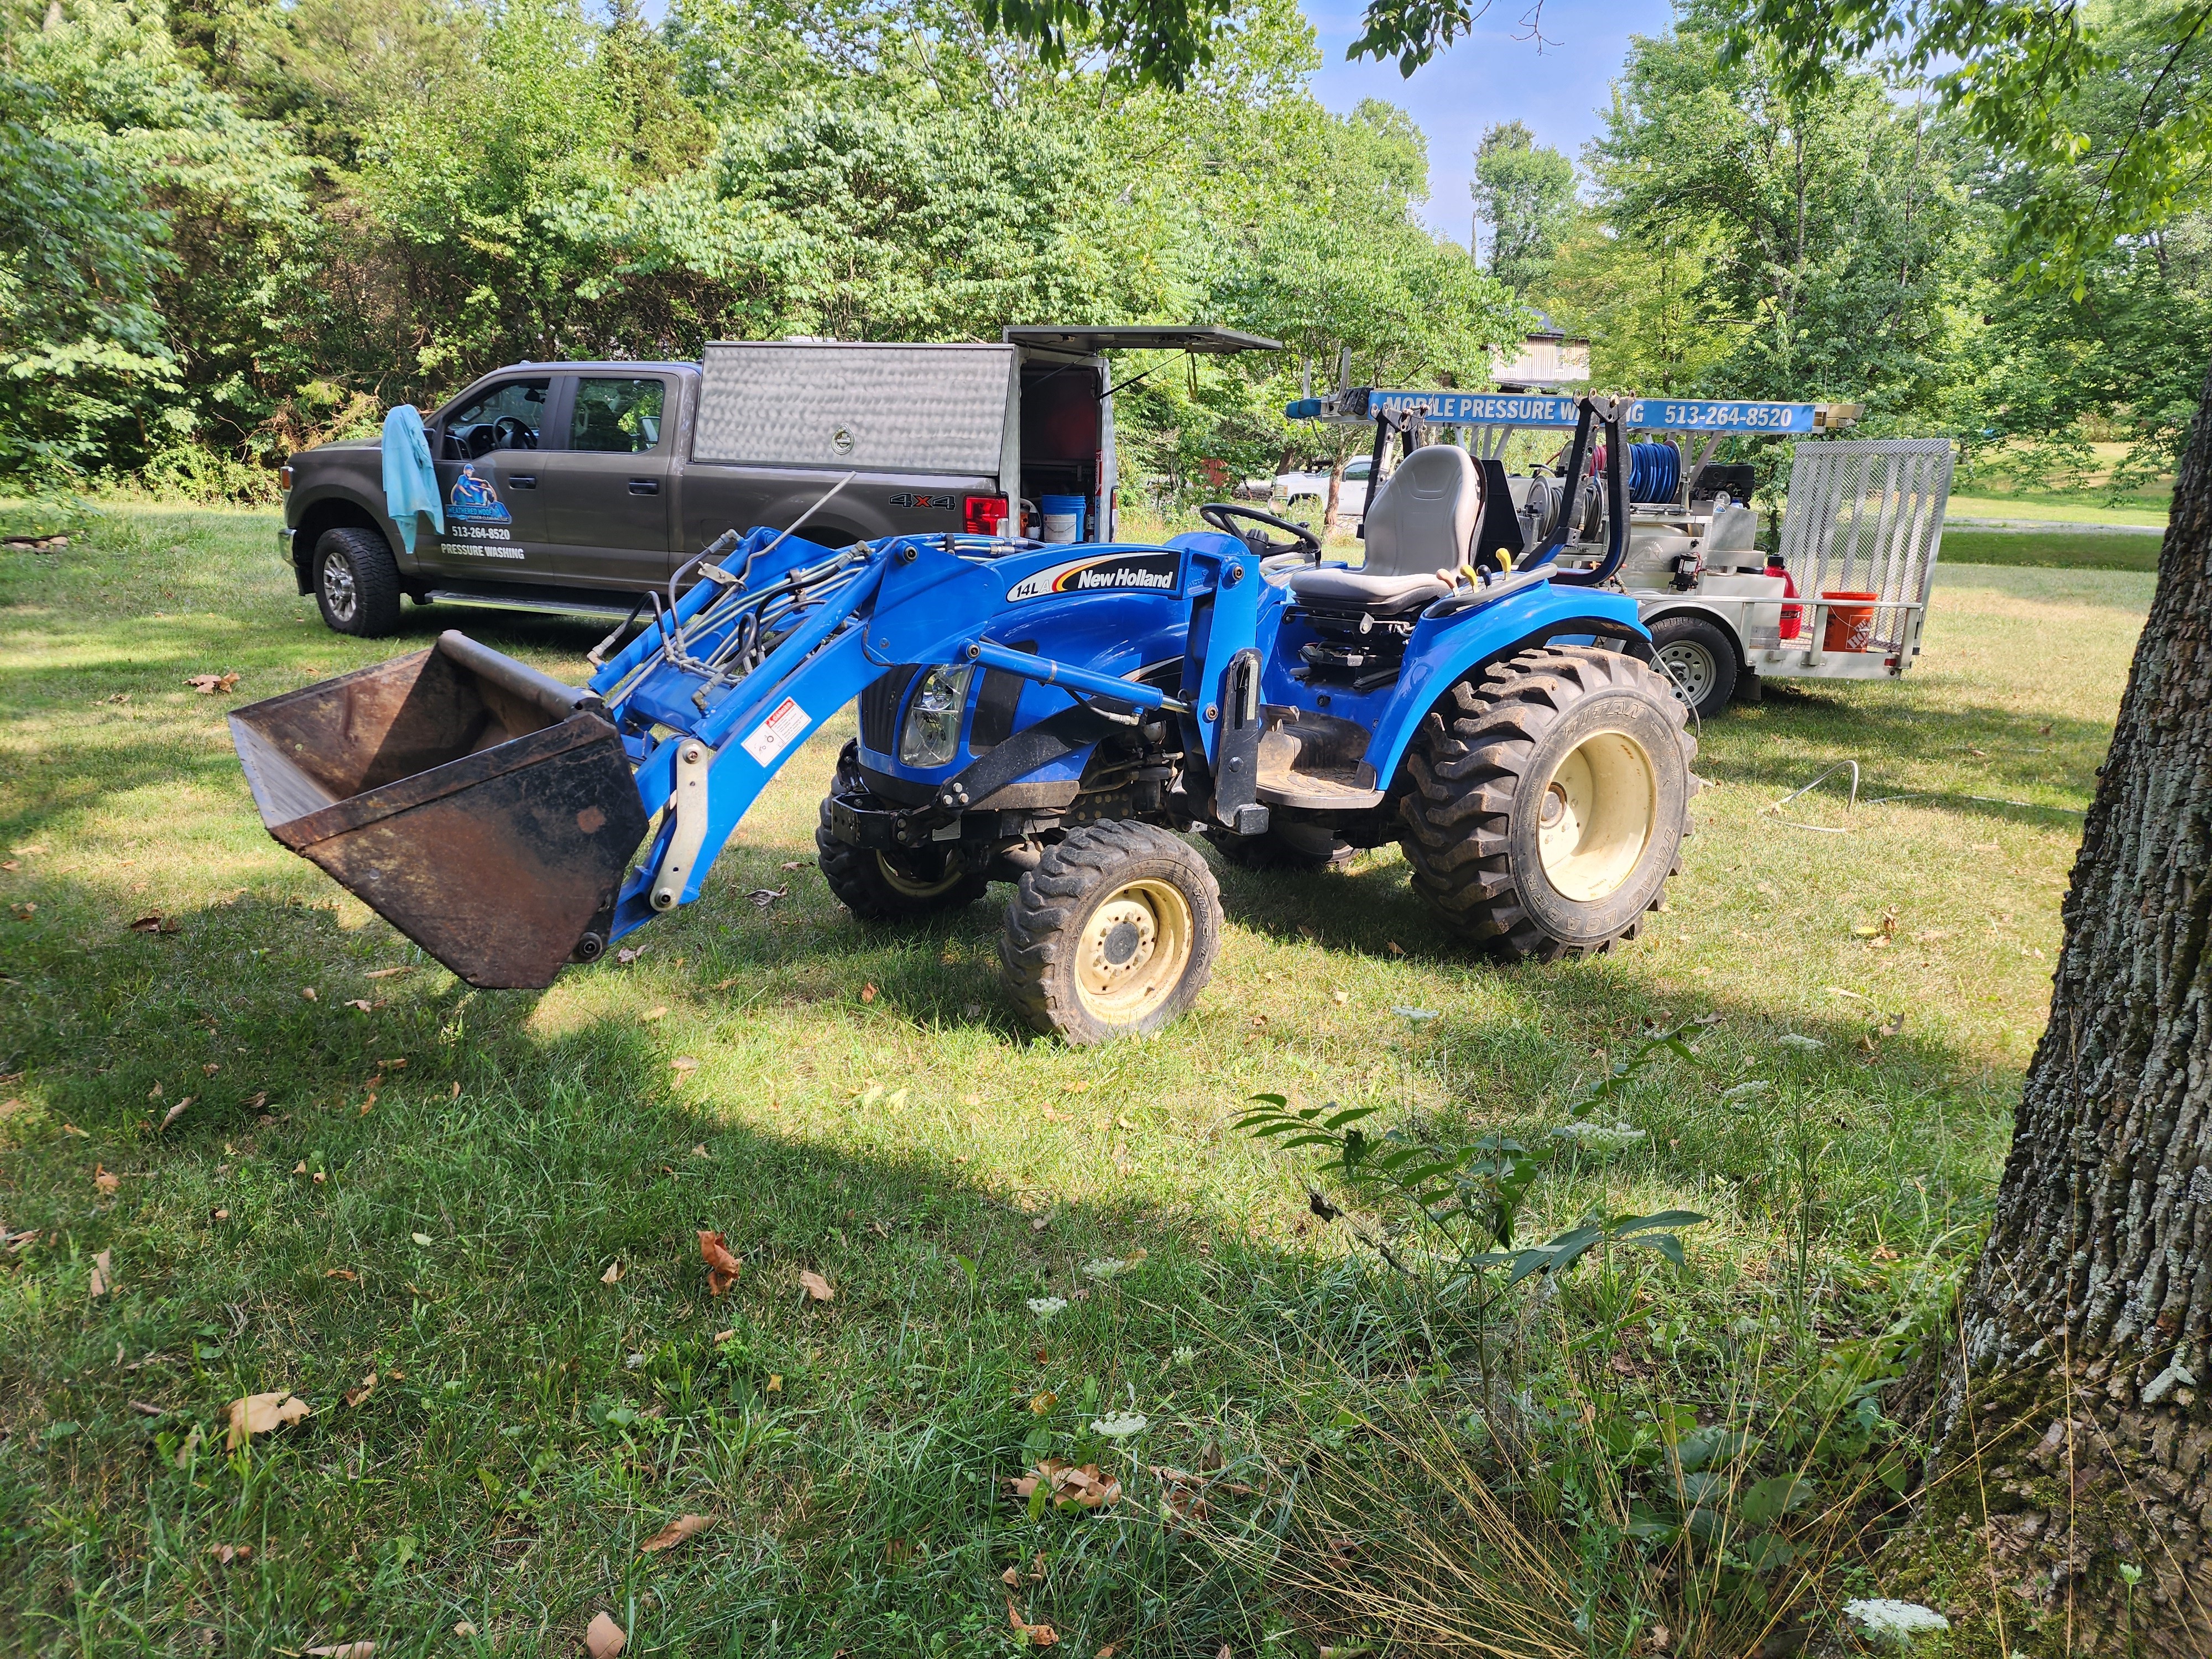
point(72, 1129)
point(774, 1383)
point(105, 1181)
point(464, 1630)
point(1339, 998)
point(604, 1638)
point(207, 685)
point(1891, 1026)
point(218, 1215)
point(1043, 1404)
point(764, 896)
point(700, 1151)
point(683, 1527)
point(1040, 1635)
point(653, 1013)
point(817, 1286)
point(683, 1063)
point(626, 955)
point(361, 1003)
point(153, 922)
point(420, 1238)
point(103, 1273)
point(722, 1268)
point(174, 1113)
point(387, 973)
point(1039, 1222)
point(345, 1651)
point(259, 1413)
point(186, 1452)
point(346, 1274)
point(1072, 1485)
point(307, 993)
point(301, 1168)
point(868, 992)
point(354, 1396)
point(228, 1553)
point(154, 1093)
point(797, 864)
point(613, 1275)
point(143, 1409)
point(209, 1069)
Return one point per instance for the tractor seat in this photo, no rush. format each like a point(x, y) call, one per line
point(1333, 586)
point(1423, 521)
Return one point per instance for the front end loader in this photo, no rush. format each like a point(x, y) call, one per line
point(1053, 718)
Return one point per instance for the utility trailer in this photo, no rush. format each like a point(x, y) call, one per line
point(1845, 597)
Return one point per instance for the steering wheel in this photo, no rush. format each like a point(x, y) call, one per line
point(1221, 514)
point(509, 433)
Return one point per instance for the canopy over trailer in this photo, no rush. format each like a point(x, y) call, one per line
point(1842, 597)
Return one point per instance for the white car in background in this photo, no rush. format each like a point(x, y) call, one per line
point(1308, 491)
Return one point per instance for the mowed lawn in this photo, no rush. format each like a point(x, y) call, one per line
point(251, 1140)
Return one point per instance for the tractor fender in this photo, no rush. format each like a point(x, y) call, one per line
point(1446, 650)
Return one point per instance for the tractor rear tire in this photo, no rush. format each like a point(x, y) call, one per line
point(1285, 847)
point(1549, 803)
point(1113, 934)
point(889, 886)
point(357, 583)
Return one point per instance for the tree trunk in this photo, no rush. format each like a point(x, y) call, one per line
point(1335, 485)
point(2077, 1411)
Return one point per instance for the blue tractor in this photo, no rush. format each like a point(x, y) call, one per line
point(1052, 717)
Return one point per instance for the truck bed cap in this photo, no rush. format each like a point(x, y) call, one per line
point(1143, 336)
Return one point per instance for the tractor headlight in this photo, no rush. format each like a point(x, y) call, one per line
point(931, 736)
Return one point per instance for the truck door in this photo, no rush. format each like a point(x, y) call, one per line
point(490, 470)
point(606, 501)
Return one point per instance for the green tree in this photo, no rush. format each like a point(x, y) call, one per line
point(1525, 194)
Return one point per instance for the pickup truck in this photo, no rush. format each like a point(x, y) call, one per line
point(579, 486)
point(1308, 491)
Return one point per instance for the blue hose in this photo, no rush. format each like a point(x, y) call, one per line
point(1655, 472)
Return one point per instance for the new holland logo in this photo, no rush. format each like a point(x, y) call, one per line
point(1152, 572)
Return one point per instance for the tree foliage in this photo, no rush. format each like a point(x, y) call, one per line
point(1525, 194)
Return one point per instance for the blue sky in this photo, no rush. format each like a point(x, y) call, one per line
point(1493, 75)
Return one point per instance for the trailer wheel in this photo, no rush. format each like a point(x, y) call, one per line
point(877, 885)
point(1699, 659)
point(357, 583)
point(1113, 934)
point(1284, 846)
point(1549, 802)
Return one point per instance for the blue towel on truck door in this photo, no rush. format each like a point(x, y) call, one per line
point(411, 477)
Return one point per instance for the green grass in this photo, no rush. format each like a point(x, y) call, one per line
point(2062, 550)
point(864, 1106)
point(2147, 511)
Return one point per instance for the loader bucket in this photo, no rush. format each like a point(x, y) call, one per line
point(483, 809)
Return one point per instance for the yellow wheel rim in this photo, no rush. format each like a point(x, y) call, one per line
point(1595, 816)
point(1133, 950)
point(915, 886)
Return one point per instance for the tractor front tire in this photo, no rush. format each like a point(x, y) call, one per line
point(357, 583)
point(1113, 934)
point(1549, 803)
point(889, 886)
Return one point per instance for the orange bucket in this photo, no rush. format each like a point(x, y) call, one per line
point(1850, 625)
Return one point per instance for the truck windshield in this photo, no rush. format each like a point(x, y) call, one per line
point(620, 418)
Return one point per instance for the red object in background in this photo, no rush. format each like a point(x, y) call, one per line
point(984, 515)
point(1217, 472)
point(1793, 616)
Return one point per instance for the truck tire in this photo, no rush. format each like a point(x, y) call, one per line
point(1284, 846)
point(1113, 934)
point(1699, 659)
point(887, 886)
point(1549, 802)
point(356, 583)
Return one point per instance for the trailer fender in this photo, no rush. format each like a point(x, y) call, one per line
point(1704, 614)
point(1445, 651)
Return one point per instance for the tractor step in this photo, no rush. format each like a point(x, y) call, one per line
point(1313, 761)
point(483, 809)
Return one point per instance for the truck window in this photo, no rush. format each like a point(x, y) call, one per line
point(620, 418)
point(507, 416)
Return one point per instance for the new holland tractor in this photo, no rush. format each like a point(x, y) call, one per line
point(1049, 717)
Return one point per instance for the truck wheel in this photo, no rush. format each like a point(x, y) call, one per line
point(889, 886)
point(1113, 934)
point(357, 583)
point(1284, 846)
point(1702, 661)
point(1549, 801)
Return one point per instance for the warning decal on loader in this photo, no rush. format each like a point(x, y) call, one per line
point(1153, 573)
point(775, 734)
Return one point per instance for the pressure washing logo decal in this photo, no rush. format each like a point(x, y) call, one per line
point(471, 501)
point(1152, 572)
